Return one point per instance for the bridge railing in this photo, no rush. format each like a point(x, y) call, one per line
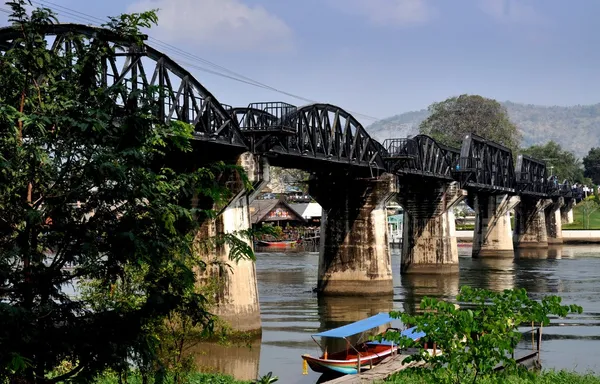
point(404, 148)
point(277, 109)
point(266, 118)
point(526, 183)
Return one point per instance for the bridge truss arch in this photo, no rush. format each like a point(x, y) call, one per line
point(316, 133)
point(139, 67)
point(420, 156)
point(486, 165)
point(531, 178)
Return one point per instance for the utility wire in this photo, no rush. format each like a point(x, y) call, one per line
point(217, 70)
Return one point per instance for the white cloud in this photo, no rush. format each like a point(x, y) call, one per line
point(226, 24)
point(390, 12)
point(512, 11)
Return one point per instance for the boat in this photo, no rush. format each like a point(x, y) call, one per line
point(358, 356)
point(277, 244)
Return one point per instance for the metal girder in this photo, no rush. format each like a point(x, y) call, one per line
point(420, 156)
point(485, 165)
point(141, 67)
point(531, 177)
point(321, 132)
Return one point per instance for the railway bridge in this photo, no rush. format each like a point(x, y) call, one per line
point(353, 176)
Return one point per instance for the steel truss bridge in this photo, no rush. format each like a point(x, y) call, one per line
point(314, 137)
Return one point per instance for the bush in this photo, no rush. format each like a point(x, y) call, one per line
point(479, 336)
point(418, 376)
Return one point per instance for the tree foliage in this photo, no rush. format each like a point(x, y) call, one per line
point(591, 164)
point(588, 206)
point(454, 118)
point(481, 334)
point(85, 195)
point(564, 163)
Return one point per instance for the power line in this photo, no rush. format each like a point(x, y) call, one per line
point(217, 69)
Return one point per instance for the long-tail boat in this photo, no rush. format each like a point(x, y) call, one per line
point(361, 355)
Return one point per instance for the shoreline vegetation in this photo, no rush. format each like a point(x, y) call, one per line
point(421, 376)
point(410, 376)
point(593, 221)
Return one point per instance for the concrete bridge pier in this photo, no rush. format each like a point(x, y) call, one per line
point(530, 223)
point(554, 221)
point(231, 285)
point(566, 211)
point(354, 254)
point(429, 240)
point(492, 236)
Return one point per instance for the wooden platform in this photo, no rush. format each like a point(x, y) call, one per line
point(380, 372)
point(395, 364)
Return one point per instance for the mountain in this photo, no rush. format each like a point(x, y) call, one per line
point(575, 128)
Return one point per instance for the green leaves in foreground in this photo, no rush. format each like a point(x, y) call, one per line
point(101, 204)
point(480, 334)
point(419, 376)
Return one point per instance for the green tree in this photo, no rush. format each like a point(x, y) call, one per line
point(559, 162)
point(479, 335)
point(450, 120)
point(84, 183)
point(591, 164)
point(588, 206)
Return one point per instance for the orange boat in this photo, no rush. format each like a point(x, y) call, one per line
point(361, 356)
point(277, 244)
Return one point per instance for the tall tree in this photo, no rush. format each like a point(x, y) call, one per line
point(591, 164)
point(84, 183)
point(450, 120)
point(559, 162)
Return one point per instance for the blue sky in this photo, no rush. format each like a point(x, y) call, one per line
point(381, 57)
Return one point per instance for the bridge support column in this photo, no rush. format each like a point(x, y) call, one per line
point(232, 284)
point(429, 241)
point(554, 221)
point(492, 236)
point(530, 223)
point(354, 254)
point(566, 211)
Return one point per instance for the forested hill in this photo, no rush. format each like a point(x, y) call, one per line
point(575, 128)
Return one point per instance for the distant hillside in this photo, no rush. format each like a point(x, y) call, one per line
point(575, 128)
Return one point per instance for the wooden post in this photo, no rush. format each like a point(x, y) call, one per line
point(539, 341)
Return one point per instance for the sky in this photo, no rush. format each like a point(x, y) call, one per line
point(375, 58)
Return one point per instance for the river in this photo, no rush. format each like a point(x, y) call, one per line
point(291, 312)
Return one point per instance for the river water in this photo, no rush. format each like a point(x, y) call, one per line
point(291, 312)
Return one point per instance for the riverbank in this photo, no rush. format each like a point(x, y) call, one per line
point(192, 378)
point(571, 236)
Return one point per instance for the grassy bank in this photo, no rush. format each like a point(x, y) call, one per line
point(545, 377)
point(193, 378)
point(578, 219)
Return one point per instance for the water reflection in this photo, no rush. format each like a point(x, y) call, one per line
point(552, 252)
point(496, 274)
point(291, 312)
point(338, 311)
point(417, 286)
point(239, 361)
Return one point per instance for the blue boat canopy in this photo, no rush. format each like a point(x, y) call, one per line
point(358, 327)
point(410, 332)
